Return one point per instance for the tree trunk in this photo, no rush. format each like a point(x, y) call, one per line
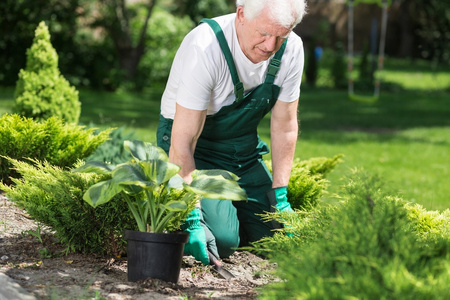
point(119, 30)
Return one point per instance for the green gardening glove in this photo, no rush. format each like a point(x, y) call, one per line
point(279, 203)
point(200, 237)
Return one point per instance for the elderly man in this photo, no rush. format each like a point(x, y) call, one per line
point(228, 73)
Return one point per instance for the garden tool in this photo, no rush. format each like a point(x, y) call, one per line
point(217, 266)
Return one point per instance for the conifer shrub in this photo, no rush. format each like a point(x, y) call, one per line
point(372, 245)
point(308, 182)
point(41, 91)
point(52, 140)
point(54, 196)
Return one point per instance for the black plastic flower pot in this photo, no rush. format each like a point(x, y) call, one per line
point(155, 255)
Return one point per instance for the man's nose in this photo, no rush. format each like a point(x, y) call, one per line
point(271, 43)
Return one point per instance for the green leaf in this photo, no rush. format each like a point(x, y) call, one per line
point(143, 151)
point(175, 206)
point(101, 192)
point(216, 187)
point(159, 171)
point(214, 172)
point(130, 174)
point(96, 167)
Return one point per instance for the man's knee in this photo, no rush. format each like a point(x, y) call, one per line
point(227, 243)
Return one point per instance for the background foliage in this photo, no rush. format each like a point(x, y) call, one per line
point(41, 91)
point(100, 46)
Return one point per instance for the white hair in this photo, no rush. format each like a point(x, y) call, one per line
point(287, 13)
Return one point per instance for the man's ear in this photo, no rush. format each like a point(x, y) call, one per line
point(240, 14)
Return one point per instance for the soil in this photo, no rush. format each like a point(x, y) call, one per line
point(30, 255)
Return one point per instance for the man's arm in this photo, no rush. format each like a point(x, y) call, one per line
point(187, 127)
point(284, 133)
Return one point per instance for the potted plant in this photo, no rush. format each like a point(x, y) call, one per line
point(159, 200)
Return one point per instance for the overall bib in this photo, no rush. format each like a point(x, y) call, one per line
point(230, 141)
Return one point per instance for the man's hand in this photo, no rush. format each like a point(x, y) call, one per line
point(279, 202)
point(200, 238)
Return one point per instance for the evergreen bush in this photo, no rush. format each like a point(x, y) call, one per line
point(41, 91)
point(372, 245)
point(52, 140)
point(307, 182)
point(54, 196)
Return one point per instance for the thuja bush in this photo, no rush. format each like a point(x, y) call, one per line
point(308, 182)
point(54, 197)
point(41, 91)
point(53, 140)
point(372, 245)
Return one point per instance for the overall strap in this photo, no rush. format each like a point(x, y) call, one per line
point(274, 65)
point(238, 86)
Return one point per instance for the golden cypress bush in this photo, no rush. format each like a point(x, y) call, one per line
point(371, 245)
point(52, 140)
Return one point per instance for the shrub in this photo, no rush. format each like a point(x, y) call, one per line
point(54, 197)
point(41, 91)
point(52, 140)
point(307, 182)
point(370, 246)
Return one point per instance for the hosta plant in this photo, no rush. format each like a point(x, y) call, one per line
point(155, 194)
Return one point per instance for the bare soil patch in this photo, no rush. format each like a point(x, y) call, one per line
point(45, 271)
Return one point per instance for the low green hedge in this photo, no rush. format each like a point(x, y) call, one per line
point(51, 140)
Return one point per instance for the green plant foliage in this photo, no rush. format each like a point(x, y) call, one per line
point(112, 150)
point(41, 91)
point(429, 225)
point(307, 182)
point(199, 9)
point(370, 246)
point(155, 63)
point(54, 196)
point(154, 192)
point(52, 140)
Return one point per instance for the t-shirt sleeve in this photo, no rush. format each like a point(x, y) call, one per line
point(196, 80)
point(290, 87)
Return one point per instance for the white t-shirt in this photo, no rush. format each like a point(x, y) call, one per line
point(200, 78)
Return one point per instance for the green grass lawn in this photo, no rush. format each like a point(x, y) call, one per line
point(404, 137)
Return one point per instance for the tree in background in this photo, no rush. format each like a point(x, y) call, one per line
point(339, 67)
point(18, 21)
point(41, 91)
point(115, 17)
point(433, 19)
point(311, 64)
point(199, 9)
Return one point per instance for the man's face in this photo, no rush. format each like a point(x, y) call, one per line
point(261, 37)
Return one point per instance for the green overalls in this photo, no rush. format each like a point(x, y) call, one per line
point(230, 141)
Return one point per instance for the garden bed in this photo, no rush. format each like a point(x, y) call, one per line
point(41, 269)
